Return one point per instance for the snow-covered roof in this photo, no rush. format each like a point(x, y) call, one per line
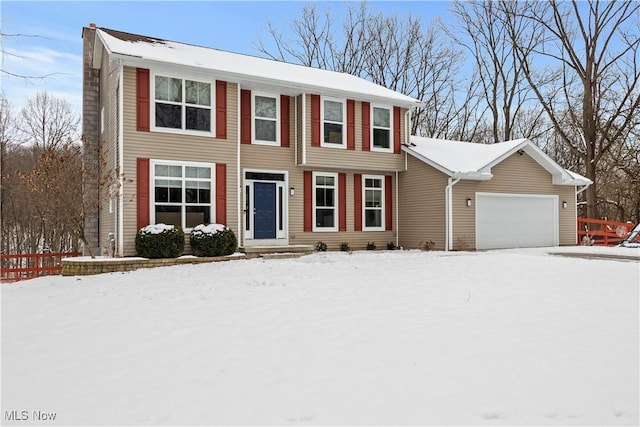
point(471, 161)
point(137, 49)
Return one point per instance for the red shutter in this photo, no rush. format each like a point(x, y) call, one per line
point(396, 130)
point(342, 202)
point(357, 201)
point(285, 132)
point(366, 127)
point(221, 109)
point(142, 193)
point(221, 193)
point(143, 106)
point(245, 116)
point(308, 201)
point(388, 203)
point(315, 120)
point(351, 124)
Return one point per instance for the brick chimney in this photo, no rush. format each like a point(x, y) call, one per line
point(91, 136)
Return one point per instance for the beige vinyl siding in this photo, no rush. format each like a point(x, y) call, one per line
point(518, 174)
point(271, 158)
point(299, 135)
point(357, 239)
point(108, 150)
point(168, 146)
point(422, 205)
point(352, 159)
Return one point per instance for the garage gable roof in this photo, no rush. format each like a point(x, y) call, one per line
point(138, 50)
point(466, 160)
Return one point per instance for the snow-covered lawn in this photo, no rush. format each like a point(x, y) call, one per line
point(496, 338)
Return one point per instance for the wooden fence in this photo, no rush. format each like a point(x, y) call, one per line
point(15, 267)
point(602, 232)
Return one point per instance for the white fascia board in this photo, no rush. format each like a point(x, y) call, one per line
point(429, 162)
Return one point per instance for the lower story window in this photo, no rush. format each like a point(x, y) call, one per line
point(373, 202)
point(182, 193)
point(325, 200)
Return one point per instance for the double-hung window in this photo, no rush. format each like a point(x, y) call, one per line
point(333, 123)
point(182, 104)
point(182, 193)
point(381, 129)
point(325, 201)
point(265, 122)
point(373, 202)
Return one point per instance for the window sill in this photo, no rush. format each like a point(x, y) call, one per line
point(330, 145)
point(267, 143)
point(205, 134)
point(325, 230)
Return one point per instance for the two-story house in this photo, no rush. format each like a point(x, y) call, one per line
point(290, 155)
point(282, 154)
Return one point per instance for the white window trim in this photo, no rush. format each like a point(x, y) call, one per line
point(152, 105)
point(281, 234)
point(364, 203)
point(275, 143)
point(373, 126)
point(344, 123)
point(152, 193)
point(335, 202)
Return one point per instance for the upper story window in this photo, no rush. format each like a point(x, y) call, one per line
point(265, 122)
point(373, 202)
point(182, 193)
point(325, 206)
point(333, 123)
point(381, 129)
point(182, 104)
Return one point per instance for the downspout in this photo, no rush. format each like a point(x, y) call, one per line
point(396, 214)
point(576, 199)
point(448, 196)
point(239, 175)
point(582, 189)
point(120, 210)
point(304, 128)
point(295, 129)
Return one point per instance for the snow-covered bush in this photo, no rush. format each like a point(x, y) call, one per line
point(160, 241)
point(212, 240)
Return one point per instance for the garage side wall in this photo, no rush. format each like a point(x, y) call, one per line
point(518, 174)
point(422, 205)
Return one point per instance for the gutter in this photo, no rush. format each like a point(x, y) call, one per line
point(448, 196)
point(582, 189)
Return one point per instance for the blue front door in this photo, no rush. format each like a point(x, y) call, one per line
point(264, 205)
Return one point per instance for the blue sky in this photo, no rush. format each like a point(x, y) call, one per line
point(57, 49)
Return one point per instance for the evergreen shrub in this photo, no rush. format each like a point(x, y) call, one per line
point(160, 241)
point(213, 240)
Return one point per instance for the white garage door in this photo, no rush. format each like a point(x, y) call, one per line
point(516, 221)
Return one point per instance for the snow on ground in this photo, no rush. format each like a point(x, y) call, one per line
point(407, 337)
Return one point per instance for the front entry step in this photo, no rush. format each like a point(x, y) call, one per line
point(269, 252)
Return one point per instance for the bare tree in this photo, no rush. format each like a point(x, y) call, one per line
point(585, 74)
point(3, 52)
point(392, 51)
point(48, 122)
point(504, 91)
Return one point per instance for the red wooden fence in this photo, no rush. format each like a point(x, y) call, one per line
point(602, 232)
point(14, 267)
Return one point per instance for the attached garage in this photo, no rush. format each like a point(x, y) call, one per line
point(466, 196)
point(516, 220)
